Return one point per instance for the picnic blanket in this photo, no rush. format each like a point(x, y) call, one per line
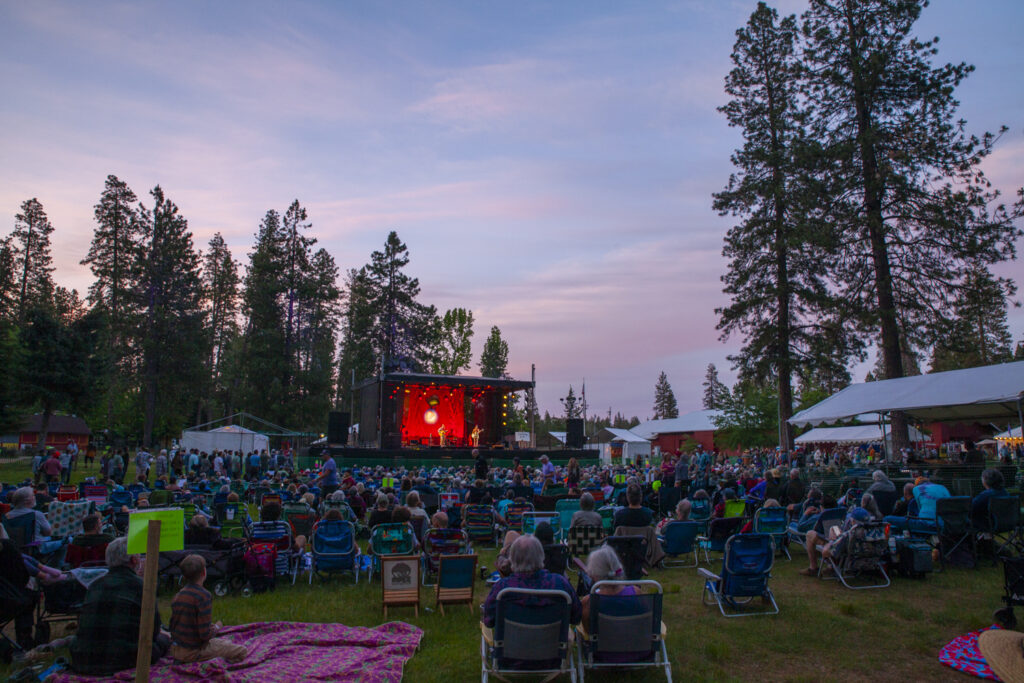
point(293, 651)
point(65, 517)
point(962, 654)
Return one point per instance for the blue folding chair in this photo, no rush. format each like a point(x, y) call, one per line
point(333, 549)
point(680, 538)
point(719, 532)
point(746, 568)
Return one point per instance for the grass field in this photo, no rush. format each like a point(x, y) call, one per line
point(823, 632)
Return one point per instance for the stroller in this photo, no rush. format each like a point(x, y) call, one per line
point(225, 568)
point(1013, 585)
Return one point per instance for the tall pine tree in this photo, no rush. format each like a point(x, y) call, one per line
point(170, 333)
point(494, 356)
point(716, 394)
point(909, 204)
point(33, 262)
point(403, 331)
point(776, 270)
point(665, 406)
point(112, 256)
point(357, 356)
point(978, 333)
point(220, 300)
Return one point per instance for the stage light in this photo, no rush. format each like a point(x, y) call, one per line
point(433, 401)
point(430, 417)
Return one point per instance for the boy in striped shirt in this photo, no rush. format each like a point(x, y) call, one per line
point(192, 634)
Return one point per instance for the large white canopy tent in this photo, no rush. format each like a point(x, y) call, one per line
point(226, 438)
point(991, 393)
point(856, 434)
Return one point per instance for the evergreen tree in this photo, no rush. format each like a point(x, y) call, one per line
point(12, 352)
point(776, 270)
point(60, 368)
point(978, 333)
point(715, 392)
point(909, 204)
point(260, 367)
point(321, 314)
point(33, 263)
point(402, 330)
point(571, 405)
point(453, 352)
point(171, 333)
point(357, 356)
point(8, 287)
point(665, 406)
point(494, 356)
point(221, 302)
point(749, 418)
point(111, 258)
point(295, 264)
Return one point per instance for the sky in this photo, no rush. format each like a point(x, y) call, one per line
point(549, 165)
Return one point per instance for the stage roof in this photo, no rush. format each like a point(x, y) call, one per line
point(990, 392)
point(424, 379)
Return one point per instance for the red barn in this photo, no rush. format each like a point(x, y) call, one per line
point(673, 435)
point(62, 429)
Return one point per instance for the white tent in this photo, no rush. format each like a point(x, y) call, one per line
point(632, 445)
point(1009, 434)
point(850, 435)
point(227, 438)
point(991, 392)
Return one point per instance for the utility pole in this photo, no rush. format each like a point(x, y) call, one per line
point(533, 404)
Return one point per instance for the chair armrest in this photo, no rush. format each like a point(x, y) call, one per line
point(708, 574)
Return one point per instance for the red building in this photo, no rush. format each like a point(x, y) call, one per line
point(62, 429)
point(680, 433)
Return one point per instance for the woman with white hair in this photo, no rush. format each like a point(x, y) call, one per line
point(604, 565)
point(527, 558)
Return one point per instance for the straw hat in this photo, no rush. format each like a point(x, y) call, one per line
point(1004, 652)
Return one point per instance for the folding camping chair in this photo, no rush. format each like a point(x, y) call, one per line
point(390, 539)
point(479, 523)
point(632, 551)
point(719, 532)
point(679, 538)
point(866, 550)
point(956, 533)
point(582, 539)
point(1004, 524)
point(333, 549)
point(532, 519)
point(514, 515)
point(566, 508)
point(438, 543)
point(624, 631)
point(746, 567)
point(772, 521)
point(530, 636)
point(456, 579)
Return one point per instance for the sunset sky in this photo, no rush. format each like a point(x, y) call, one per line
point(549, 165)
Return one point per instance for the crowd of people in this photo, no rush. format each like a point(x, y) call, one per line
point(373, 495)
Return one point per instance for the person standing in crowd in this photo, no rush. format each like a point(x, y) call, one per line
point(52, 468)
point(480, 466)
point(65, 466)
point(72, 451)
point(328, 479)
point(142, 463)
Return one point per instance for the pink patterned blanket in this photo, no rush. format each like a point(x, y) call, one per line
point(292, 651)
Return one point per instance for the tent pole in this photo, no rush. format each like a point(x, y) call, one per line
point(1020, 418)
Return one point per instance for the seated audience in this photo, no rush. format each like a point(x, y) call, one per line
point(108, 625)
point(681, 514)
point(834, 547)
point(994, 483)
point(586, 515)
point(381, 514)
point(192, 635)
point(635, 515)
point(199, 532)
point(526, 556)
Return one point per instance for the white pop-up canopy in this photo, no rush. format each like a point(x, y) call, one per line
point(226, 438)
point(847, 435)
point(991, 392)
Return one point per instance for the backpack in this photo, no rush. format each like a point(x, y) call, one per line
point(260, 559)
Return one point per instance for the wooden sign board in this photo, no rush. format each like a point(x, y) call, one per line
point(400, 581)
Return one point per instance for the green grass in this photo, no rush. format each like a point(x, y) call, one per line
point(823, 631)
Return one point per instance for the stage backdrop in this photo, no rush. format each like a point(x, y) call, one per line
point(425, 409)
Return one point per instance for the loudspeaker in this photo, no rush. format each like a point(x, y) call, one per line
point(337, 427)
point(574, 433)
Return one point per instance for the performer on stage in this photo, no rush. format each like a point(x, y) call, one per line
point(474, 436)
point(442, 435)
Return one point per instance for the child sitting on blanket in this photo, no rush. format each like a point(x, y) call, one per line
point(191, 630)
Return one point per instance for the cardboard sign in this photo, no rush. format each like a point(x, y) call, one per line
point(172, 529)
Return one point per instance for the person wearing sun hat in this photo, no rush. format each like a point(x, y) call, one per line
point(1004, 652)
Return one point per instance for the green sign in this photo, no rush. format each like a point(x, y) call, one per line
point(172, 529)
